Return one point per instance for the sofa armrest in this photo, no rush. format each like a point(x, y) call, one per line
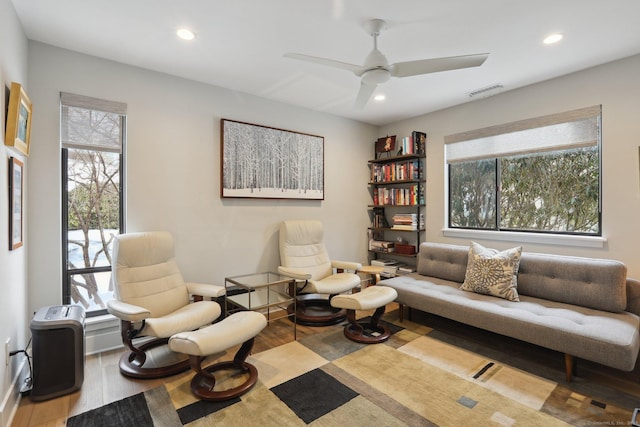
point(633, 296)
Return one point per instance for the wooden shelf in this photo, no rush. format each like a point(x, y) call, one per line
point(397, 206)
point(394, 229)
point(394, 254)
point(406, 181)
point(398, 158)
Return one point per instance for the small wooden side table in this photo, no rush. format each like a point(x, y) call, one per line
point(373, 271)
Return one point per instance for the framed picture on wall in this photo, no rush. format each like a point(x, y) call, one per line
point(15, 203)
point(267, 163)
point(18, 132)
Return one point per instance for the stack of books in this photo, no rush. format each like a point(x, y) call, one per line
point(406, 269)
point(389, 267)
point(381, 246)
point(392, 268)
point(408, 221)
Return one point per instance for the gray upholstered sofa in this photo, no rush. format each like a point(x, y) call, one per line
point(583, 307)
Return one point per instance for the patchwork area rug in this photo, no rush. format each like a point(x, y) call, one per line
point(420, 377)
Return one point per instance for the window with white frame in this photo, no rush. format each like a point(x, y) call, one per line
point(539, 175)
point(92, 135)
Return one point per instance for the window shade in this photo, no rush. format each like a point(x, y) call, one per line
point(573, 129)
point(91, 123)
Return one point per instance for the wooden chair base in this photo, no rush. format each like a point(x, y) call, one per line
point(314, 310)
point(366, 332)
point(204, 381)
point(137, 365)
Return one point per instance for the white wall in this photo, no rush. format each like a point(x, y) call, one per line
point(617, 87)
point(173, 170)
point(13, 264)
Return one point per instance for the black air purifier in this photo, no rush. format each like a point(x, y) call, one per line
point(57, 334)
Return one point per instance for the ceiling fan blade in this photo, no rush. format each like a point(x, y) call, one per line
point(356, 69)
point(426, 66)
point(366, 90)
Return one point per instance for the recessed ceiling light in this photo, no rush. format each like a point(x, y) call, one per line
point(379, 97)
point(553, 38)
point(185, 34)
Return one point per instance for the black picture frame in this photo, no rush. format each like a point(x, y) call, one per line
point(16, 214)
point(262, 162)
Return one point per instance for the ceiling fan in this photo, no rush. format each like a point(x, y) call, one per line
point(377, 70)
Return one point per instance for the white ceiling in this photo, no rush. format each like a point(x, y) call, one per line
point(240, 43)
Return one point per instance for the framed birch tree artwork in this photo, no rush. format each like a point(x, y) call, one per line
point(268, 163)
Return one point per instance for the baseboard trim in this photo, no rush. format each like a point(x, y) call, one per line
point(97, 342)
point(11, 400)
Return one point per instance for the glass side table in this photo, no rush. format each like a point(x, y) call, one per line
point(261, 292)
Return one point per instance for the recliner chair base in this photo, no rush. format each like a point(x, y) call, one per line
point(371, 332)
point(159, 361)
point(316, 310)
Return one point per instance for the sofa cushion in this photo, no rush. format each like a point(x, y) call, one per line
point(492, 272)
point(608, 338)
point(587, 282)
point(444, 261)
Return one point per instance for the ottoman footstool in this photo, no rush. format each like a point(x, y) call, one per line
point(369, 298)
point(241, 327)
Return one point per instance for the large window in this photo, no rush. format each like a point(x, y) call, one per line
point(539, 175)
point(92, 133)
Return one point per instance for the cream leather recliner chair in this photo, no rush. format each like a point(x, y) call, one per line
point(303, 256)
point(152, 301)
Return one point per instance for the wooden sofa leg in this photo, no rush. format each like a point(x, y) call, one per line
point(568, 366)
point(401, 312)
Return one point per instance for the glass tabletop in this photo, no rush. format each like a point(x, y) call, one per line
point(257, 280)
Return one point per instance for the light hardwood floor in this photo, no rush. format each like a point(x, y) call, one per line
point(103, 383)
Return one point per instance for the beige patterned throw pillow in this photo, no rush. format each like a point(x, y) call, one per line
point(492, 272)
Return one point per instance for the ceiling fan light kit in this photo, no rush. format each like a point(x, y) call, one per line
point(375, 76)
point(377, 70)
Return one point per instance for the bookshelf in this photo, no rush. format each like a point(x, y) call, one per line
point(396, 211)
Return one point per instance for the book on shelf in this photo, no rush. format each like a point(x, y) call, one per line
point(378, 218)
point(381, 246)
point(406, 145)
point(414, 144)
point(406, 269)
point(392, 268)
point(419, 142)
point(389, 270)
point(389, 266)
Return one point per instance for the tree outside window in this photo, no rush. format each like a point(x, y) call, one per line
point(538, 175)
point(553, 192)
